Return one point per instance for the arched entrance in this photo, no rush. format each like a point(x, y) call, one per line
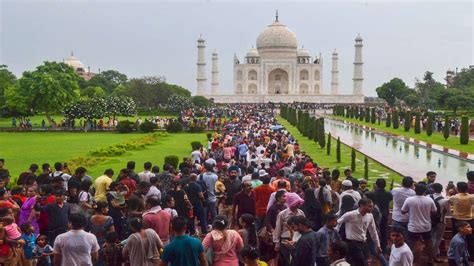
point(278, 82)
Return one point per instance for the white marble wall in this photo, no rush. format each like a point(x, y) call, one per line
point(287, 98)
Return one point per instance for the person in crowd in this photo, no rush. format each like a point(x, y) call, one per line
point(430, 180)
point(153, 191)
point(400, 253)
point(232, 187)
point(100, 223)
point(357, 223)
point(281, 177)
point(325, 237)
point(111, 252)
point(338, 252)
point(183, 249)
point(28, 213)
point(170, 204)
point(86, 200)
point(126, 180)
point(102, 185)
point(146, 174)
point(305, 246)
point(458, 253)
point(166, 179)
point(248, 230)
point(225, 243)
point(323, 195)
point(117, 207)
point(419, 209)
point(262, 197)
point(45, 176)
point(250, 257)
point(244, 202)
point(76, 247)
point(462, 204)
point(210, 178)
point(59, 167)
point(281, 232)
point(348, 189)
point(280, 186)
point(438, 220)
point(29, 237)
point(399, 197)
point(381, 199)
point(29, 174)
point(157, 219)
point(363, 186)
point(143, 245)
point(196, 197)
point(58, 214)
point(42, 251)
point(470, 182)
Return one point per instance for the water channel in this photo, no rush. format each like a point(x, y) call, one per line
point(404, 158)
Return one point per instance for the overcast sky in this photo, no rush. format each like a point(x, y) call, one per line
point(401, 39)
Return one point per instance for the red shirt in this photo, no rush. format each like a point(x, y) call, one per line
point(160, 222)
point(131, 184)
point(245, 203)
point(262, 196)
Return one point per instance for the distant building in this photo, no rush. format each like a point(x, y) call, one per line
point(78, 66)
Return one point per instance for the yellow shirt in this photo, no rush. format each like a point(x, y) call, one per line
point(462, 206)
point(102, 184)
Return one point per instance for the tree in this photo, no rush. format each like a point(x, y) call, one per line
point(366, 168)
point(388, 121)
point(411, 100)
point(338, 150)
point(7, 79)
point(120, 105)
point(392, 91)
point(373, 116)
point(459, 100)
point(108, 80)
point(429, 125)
point(464, 138)
point(407, 122)
point(86, 108)
point(353, 160)
point(316, 129)
point(200, 101)
point(328, 147)
point(179, 103)
point(322, 134)
point(15, 101)
point(50, 87)
point(93, 92)
point(417, 123)
point(429, 91)
point(464, 79)
point(446, 127)
point(367, 115)
point(396, 120)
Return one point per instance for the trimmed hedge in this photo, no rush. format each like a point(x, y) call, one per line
point(172, 160)
point(446, 127)
point(195, 145)
point(174, 127)
point(125, 126)
point(429, 125)
point(147, 126)
point(464, 138)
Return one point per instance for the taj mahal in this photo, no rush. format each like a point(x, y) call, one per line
point(278, 71)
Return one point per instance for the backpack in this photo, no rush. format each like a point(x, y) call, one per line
point(436, 217)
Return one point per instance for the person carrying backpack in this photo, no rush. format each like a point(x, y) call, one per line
point(438, 223)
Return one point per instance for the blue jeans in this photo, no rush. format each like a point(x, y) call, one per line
point(212, 208)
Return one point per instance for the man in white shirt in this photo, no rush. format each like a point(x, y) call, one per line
point(400, 253)
point(76, 247)
point(399, 197)
point(196, 156)
point(59, 173)
point(357, 222)
point(348, 190)
point(146, 174)
point(419, 209)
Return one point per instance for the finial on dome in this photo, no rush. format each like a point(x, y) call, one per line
point(276, 16)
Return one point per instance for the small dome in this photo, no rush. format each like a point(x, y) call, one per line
point(74, 62)
point(303, 53)
point(277, 36)
point(253, 53)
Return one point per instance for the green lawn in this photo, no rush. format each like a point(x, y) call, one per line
point(20, 149)
point(376, 170)
point(36, 120)
point(437, 138)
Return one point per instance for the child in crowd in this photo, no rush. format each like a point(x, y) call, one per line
point(400, 253)
point(42, 251)
point(29, 237)
point(169, 206)
point(250, 257)
point(458, 253)
point(13, 235)
point(111, 252)
point(219, 189)
point(363, 186)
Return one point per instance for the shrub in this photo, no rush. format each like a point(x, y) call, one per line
point(125, 126)
point(366, 168)
point(446, 128)
point(338, 150)
point(174, 126)
point(388, 122)
point(328, 146)
point(367, 114)
point(172, 160)
point(321, 134)
point(353, 160)
point(209, 135)
point(147, 126)
point(396, 120)
point(196, 129)
point(195, 145)
point(373, 116)
point(407, 122)
point(417, 123)
point(464, 130)
point(429, 125)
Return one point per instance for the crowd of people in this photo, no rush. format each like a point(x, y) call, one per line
point(251, 197)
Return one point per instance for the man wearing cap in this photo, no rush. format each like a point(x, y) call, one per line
point(281, 231)
point(348, 190)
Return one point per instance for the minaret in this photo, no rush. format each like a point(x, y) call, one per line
point(358, 76)
point(201, 67)
point(215, 74)
point(334, 74)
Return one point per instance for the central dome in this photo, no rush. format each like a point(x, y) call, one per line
point(277, 36)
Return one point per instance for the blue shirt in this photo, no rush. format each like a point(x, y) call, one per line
point(458, 250)
point(325, 237)
point(30, 242)
point(242, 149)
point(183, 251)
